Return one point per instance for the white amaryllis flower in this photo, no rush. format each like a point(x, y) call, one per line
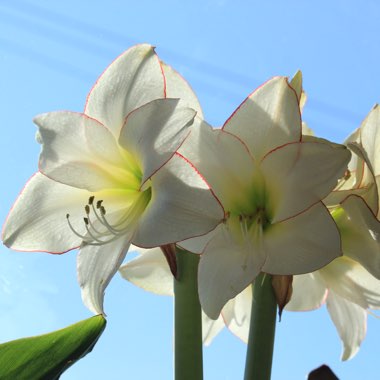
point(350, 285)
point(355, 202)
point(150, 271)
point(270, 184)
point(111, 175)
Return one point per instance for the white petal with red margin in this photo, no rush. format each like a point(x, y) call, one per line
point(37, 220)
point(182, 206)
point(301, 174)
point(178, 87)
point(154, 132)
point(80, 152)
point(133, 79)
point(268, 118)
point(224, 161)
point(301, 244)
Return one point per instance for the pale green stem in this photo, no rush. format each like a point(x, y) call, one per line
point(258, 363)
point(188, 359)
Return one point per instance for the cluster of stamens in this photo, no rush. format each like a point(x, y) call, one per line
point(94, 236)
point(247, 222)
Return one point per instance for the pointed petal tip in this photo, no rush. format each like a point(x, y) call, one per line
point(348, 353)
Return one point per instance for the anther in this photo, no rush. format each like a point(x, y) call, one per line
point(87, 209)
point(86, 221)
point(99, 204)
point(91, 200)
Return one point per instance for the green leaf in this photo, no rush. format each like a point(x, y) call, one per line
point(46, 357)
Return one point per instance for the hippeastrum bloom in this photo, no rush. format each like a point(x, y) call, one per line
point(355, 202)
point(350, 285)
point(270, 183)
point(111, 176)
point(150, 271)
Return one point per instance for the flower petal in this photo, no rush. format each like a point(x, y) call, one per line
point(369, 179)
point(226, 269)
point(302, 244)
point(79, 151)
point(96, 265)
point(224, 161)
point(149, 271)
point(133, 79)
point(268, 118)
point(210, 328)
point(198, 243)
point(182, 206)
point(353, 282)
point(178, 87)
point(237, 314)
point(37, 220)
point(350, 320)
point(360, 231)
point(336, 197)
point(370, 137)
point(306, 132)
point(155, 131)
point(309, 292)
point(301, 174)
point(296, 83)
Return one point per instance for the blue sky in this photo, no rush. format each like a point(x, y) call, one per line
point(50, 55)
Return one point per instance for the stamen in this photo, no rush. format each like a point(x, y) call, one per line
point(88, 220)
point(113, 230)
point(95, 212)
point(99, 230)
point(94, 237)
point(73, 230)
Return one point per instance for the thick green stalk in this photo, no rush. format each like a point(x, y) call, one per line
point(188, 359)
point(258, 363)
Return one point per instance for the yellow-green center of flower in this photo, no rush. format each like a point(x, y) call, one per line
point(250, 212)
point(245, 227)
point(126, 202)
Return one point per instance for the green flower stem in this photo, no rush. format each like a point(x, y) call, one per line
point(188, 359)
point(258, 363)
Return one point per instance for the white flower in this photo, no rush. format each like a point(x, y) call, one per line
point(350, 285)
point(270, 184)
point(111, 175)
